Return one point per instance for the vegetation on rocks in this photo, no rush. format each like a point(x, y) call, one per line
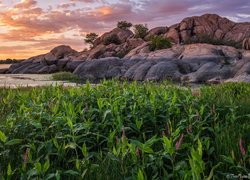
point(125, 131)
point(112, 39)
point(140, 30)
point(124, 25)
point(90, 38)
point(159, 42)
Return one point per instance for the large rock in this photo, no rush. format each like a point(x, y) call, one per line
point(96, 52)
point(164, 70)
point(156, 32)
point(72, 65)
point(105, 68)
point(122, 34)
point(207, 72)
point(173, 35)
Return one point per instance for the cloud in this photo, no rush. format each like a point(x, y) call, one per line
point(66, 5)
point(25, 4)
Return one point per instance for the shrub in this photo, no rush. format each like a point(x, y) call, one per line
point(205, 38)
point(124, 25)
point(140, 30)
point(90, 38)
point(159, 42)
point(112, 39)
point(65, 76)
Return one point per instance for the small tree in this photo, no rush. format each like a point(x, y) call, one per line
point(140, 30)
point(90, 38)
point(112, 39)
point(159, 42)
point(124, 25)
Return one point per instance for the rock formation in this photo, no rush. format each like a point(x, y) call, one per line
point(209, 24)
point(131, 58)
point(195, 63)
point(56, 60)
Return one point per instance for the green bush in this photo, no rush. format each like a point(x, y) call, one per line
point(124, 25)
point(112, 39)
point(65, 76)
point(204, 38)
point(159, 42)
point(140, 30)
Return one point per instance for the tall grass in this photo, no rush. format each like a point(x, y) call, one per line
point(125, 131)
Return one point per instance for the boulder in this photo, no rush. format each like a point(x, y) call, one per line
point(96, 52)
point(207, 72)
point(156, 32)
point(72, 65)
point(164, 70)
point(173, 35)
point(63, 51)
point(123, 35)
point(105, 68)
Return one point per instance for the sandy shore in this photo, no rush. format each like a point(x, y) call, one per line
point(29, 80)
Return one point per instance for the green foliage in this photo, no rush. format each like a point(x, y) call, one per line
point(205, 38)
point(159, 42)
point(90, 38)
point(112, 39)
point(124, 25)
point(124, 130)
point(140, 30)
point(65, 76)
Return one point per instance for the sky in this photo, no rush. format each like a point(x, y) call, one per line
point(33, 27)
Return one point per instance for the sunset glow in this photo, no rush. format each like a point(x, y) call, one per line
point(32, 27)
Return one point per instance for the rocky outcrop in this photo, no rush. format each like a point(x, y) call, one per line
point(195, 63)
point(131, 58)
point(209, 24)
point(56, 60)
